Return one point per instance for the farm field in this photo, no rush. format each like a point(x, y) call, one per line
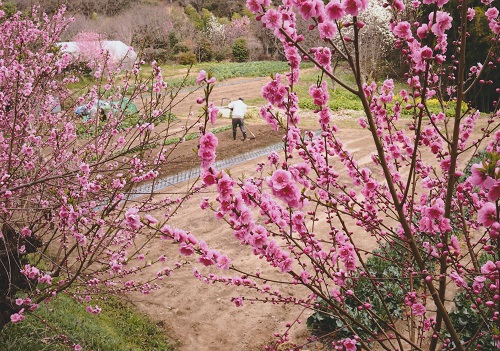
point(202, 317)
point(359, 211)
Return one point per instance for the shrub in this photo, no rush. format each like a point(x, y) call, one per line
point(240, 50)
point(186, 58)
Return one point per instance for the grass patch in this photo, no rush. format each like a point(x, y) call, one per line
point(118, 327)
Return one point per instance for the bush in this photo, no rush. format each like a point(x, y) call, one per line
point(391, 282)
point(186, 58)
point(240, 50)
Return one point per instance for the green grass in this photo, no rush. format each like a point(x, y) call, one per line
point(117, 327)
point(175, 74)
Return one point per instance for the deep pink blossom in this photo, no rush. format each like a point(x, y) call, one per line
point(350, 344)
point(487, 215)
point(319, 94)
point(324, 57)
point(274, 91)
point(418, 309)
point(327, 30)
point(403, 30)
point(334, 10)
point(441, 23)
point(272, 19)
point(354, 7)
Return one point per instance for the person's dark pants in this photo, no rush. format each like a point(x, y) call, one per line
point(239, 122)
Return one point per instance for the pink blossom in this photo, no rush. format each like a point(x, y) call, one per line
point(84, 168)
point(494, 191)
point(25, 232)
point(488, 268)
point(205, 203)
point(77, 347)
point(442, 22)
point(350, 344)
point(151, 219)
point(436, 211)
point(206, 260)
point(186, 250)
point(325, 116)
point(93, 310)
point(458, 280)
point(471, 13)
point(334, 10)
point(223, 262)
point(274, 91)
point(208, 143)
point(487, 215)
point(17, 317)
point(272, 19)
point(132, 219)
point(209, 140)
point(491, 13)
point(327, 30)
point(418, 309)
point(478, 174)
point(455, 245)
point(280, 179)
point(273, 158)
point(269, 117)
point(213, 112)
point(45, 279)
point(403, 30)
point(201, 77)
point(209, 177)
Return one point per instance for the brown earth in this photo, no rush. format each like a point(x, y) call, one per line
point(184, 156)
point(199, 316)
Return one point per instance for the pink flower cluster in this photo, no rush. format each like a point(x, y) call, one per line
point(274, 91)
point(485, 176)
point(189, 244)
point(206, 151)
point(284, 188)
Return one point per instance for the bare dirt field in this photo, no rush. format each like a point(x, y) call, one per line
point(202, 317)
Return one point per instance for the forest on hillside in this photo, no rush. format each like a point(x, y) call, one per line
point(188, 31)
point(182, 31)
point(191, 31)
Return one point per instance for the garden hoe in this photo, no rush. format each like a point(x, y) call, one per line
point(251, 133)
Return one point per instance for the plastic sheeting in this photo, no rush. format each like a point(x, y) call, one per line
point(118, 51)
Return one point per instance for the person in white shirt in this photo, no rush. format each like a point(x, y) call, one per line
point(238, 108)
